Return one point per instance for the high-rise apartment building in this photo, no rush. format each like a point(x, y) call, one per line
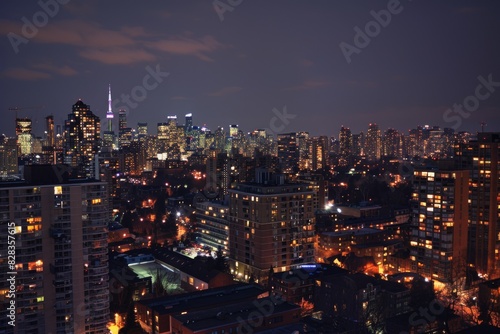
point(438, 243)
point(345, 142)
point(61, 270)
point(391, 144)
point(482, 158)
point(288, 152)
point(217, 179)
point(318, 153)
point(358, 144)
point(373, 146)
point(212, 226)
point(51, 136)
point(83, 130)
point(271, 225)
point(8, 156)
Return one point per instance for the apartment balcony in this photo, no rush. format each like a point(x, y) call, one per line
point(97, 251)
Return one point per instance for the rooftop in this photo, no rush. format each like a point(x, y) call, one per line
point(231, 313)
point(203, 299)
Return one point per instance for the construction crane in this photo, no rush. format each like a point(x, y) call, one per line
point(16, 109)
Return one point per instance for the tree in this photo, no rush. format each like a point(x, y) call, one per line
point(164, 281)
point(306, 308)
point(421, 293)
point(221, 263)
point(131, 324)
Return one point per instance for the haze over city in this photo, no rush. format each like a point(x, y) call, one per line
point(235, 64)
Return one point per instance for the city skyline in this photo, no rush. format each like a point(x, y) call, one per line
point(211, 59)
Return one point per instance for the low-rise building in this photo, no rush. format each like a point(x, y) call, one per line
point(155, 314)
point(243, 317)
point(359, 298)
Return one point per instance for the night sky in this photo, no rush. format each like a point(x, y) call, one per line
point(235, 67)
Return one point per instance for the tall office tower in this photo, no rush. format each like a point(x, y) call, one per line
point(122, 120)
point(345, 141)
point(124, 132)
point(24, 136)
point(271, 225)
point(373, 148)
point(61, 253)
point(162, 131)
point(126, 137)
point(391, 144)
point(8, 156)
point(142, 131)
point(82, 143)
point(172, 137)
point(358, 144)
point(482, 157)
point(51, 137)
point(233, 130)
point(288, 152)
point(438, 243)
point(189, 123)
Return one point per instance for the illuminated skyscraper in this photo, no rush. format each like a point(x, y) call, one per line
point(345, 141)
point(391, 144)
point(122, 120)
point(82, 143)
point(24, 136)
point(49, 122)
point(233, 130)
point(288, 152)
point(317, 153)
point(304, 144)
point(373, 147)
point(142, 131)
point(358, 144)
point(189, 123)
point(8, 156)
